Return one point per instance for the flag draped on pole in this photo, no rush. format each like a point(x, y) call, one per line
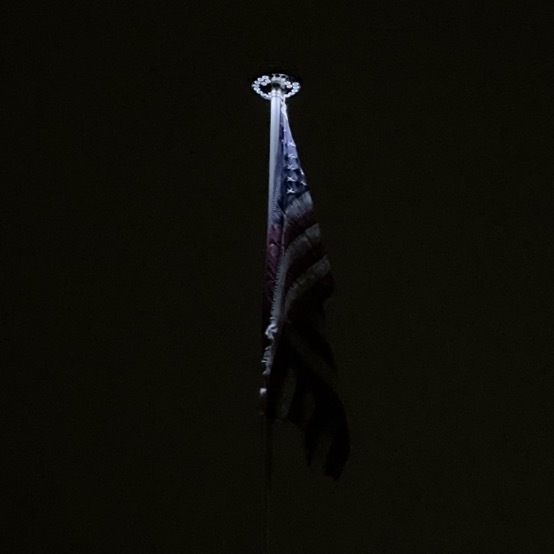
point(299, 368)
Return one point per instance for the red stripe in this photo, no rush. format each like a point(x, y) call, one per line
point(301, 264)
point(294, 227)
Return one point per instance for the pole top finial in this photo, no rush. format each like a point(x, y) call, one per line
point(264, 84)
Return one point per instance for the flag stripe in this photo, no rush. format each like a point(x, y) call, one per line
point(302, 253)
point(299, 216)
point(306, 281)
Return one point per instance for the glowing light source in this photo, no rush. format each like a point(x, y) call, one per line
point(265, 83)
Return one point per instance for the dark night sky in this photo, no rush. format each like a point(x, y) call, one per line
point(133, 235)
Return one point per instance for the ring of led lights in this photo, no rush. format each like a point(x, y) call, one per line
point(281, 81)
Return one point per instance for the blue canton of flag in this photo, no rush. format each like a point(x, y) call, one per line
point(299, 368)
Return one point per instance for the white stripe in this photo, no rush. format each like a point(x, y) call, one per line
point(301, 245)
point(313, 274)
point(298, 207)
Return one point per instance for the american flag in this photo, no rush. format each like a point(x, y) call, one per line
point(299, 368)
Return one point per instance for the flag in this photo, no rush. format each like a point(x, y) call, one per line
point(299, 368)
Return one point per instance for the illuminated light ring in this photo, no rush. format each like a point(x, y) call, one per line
point(288, 87)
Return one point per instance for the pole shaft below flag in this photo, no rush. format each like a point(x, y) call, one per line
point(268, 456)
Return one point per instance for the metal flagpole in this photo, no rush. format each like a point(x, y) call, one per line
point(276, 88)
point(276, 99)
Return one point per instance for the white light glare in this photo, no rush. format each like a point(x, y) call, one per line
point(288, 87)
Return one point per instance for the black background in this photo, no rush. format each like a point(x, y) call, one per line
point(133, 236)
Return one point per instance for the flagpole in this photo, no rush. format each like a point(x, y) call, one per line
point(274, 124)
point(276, 88)
point(276, 99)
